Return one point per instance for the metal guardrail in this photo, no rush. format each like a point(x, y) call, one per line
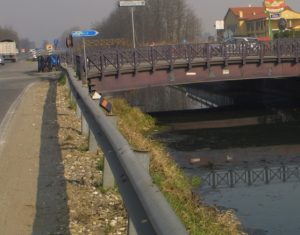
point(248, 176)
point(147, 208)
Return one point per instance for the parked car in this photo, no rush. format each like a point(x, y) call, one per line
point(2, 60)
point(238, 44)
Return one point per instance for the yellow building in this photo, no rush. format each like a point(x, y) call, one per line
point(254, 22)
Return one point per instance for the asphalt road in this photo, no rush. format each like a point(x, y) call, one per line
point(14, 78)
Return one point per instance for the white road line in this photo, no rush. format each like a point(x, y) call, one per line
point(4, 125)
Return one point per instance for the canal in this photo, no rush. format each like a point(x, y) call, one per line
point(247, 158)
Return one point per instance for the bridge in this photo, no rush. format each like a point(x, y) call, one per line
point(126, 69)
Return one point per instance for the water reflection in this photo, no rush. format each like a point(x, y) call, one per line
point(263, 156)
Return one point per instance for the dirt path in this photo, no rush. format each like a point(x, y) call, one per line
point(49, 181)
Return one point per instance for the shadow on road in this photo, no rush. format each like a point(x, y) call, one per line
point(52, 215)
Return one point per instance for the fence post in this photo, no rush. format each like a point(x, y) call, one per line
point(283, 173)
point(214, 185)
point(249, 177)
point(267, 174)
point(231, 178)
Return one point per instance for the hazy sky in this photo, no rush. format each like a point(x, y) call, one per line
point(41, 20)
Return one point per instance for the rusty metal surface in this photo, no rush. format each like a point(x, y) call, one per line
point(125, 69)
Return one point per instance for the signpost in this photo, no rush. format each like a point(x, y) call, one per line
point(83, 34)
point(132, 5)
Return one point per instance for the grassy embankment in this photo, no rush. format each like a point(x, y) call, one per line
point(198, 218)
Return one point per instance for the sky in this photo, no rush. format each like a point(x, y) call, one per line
point(41, 20)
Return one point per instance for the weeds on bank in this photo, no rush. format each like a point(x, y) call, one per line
point(177, 188)
point(62, 79)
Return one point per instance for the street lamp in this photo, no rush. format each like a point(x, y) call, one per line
point(132, 5)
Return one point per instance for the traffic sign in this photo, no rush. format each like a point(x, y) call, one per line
point(132, 3)
point(85, 33)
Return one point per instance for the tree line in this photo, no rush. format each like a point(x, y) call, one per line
point(8, 33)
point(159, 21)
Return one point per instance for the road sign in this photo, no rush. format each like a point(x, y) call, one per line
point(85, 33)
point(132, 3)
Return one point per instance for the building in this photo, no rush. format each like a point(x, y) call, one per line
point(254, 22)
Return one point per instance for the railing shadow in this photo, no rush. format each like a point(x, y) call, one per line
point(52, 214)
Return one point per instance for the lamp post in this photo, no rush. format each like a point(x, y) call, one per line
point(132, 5)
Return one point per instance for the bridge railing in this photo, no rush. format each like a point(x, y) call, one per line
point(114, 61)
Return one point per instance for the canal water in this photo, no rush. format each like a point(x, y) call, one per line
point(264, 142)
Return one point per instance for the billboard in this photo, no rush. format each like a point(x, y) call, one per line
point(274, 6)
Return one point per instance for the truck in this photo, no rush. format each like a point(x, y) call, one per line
point(8, 50)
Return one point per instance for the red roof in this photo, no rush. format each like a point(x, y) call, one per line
point(249, 13)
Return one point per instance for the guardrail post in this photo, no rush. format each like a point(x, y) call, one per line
point(85, 130)
point(93, 146)
point(108, 176)
point(131, 229)
point(144, 158)
point(78, 111)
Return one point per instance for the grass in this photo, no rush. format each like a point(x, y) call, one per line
point(62, 79)
point(198, 218)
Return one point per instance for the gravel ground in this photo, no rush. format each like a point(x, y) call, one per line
point(91, 210)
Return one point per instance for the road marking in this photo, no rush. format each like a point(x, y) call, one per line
point(4, 125)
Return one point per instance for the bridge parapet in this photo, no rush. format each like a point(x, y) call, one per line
point(117, 61)
point(115, 69)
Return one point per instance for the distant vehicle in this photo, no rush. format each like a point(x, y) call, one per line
point(239, 40)
point(2, 60)
point(8, 50)
point(238, 44)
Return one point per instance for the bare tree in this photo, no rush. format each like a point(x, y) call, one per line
point(160, 21)
point(26, 43)
point(7, 33)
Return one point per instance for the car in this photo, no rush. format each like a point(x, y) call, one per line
point(238, 44)
point(2, 60)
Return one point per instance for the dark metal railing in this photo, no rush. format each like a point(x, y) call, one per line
point(251, 176)
point(116, 61)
